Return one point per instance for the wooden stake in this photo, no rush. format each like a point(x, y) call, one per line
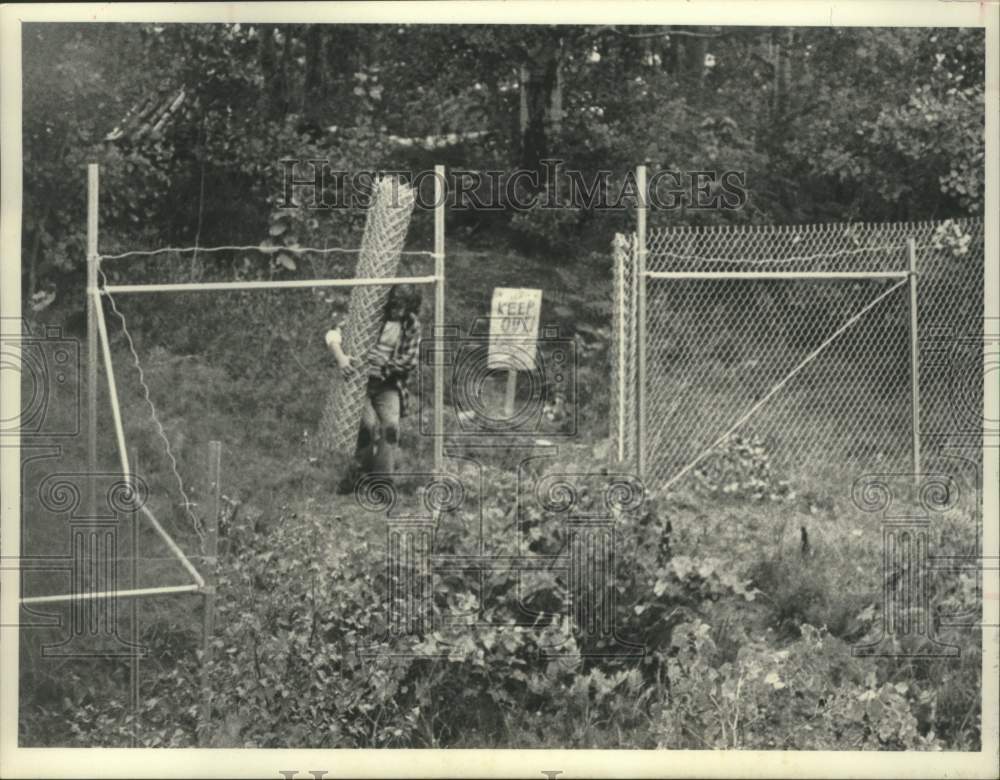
point(211, 549)
point(508, 405)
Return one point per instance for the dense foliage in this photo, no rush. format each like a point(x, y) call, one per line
point(744, 644)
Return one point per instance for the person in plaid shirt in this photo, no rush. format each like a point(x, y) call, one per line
point(388, 365)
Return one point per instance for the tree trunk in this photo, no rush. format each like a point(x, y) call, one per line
point(312, 92)
point(631, 52)
point(285, 86)
point(275, 91)
point(33, 260)
point(523, 94)
point(677, 55)
point(370, 46)
point(694, 59)
point(538, 83)
point(556, 108)
point(340, 66)
point(775, 57)
point(786, 70)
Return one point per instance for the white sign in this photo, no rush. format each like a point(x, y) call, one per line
point(514, 316)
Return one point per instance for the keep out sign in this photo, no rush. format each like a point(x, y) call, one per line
point(514, 315)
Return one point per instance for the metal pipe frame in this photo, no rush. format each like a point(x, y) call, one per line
point(288, 284)
point(129, 593)
point(832, 275)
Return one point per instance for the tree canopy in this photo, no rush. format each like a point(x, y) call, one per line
point(190, 122)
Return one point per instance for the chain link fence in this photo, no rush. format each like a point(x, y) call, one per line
point(785, 352)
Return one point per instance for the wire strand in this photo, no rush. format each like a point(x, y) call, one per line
point(156, 420)
point(267, 250)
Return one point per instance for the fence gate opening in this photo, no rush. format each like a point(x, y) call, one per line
point(802, 352)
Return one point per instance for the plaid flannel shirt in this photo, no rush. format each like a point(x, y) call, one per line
point(397, 369)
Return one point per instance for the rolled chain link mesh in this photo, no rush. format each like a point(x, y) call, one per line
point(819, 368)
point(385, 231)
point(623, 352)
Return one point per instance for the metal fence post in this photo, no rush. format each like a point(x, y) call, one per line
point(208, 591)
point(640, 270)
point(439, 195)
point(93, 195)
point(911, 245)
point(618, 401)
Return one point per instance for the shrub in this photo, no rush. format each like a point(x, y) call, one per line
point(740, 468)
point(806, 696)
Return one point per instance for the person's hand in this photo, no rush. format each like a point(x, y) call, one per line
point(352, 367)
point(333, 339)
point(348, 364)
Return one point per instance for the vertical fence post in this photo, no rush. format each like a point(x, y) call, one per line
point(208, 591)
point(93, 195)
point(439, 196)
point(911, 246)
point(134, 634)
point(640, 270)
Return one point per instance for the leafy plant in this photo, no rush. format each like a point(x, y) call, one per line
point(740, 468)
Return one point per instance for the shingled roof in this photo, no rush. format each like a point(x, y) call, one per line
point(147, 119)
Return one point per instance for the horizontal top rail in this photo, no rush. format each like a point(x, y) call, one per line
point(776, 274)
point(257, 285)
point(659, 253)
point(845, 228)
